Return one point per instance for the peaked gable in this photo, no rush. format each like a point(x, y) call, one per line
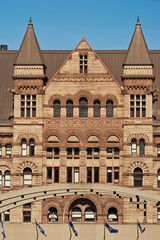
point(29, 53)
point(95, 66)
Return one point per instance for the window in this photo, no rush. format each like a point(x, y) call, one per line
point(89, 174)
point(113, 153)
point(76, 214)
point(24, 147)
point(97, 108)
point(96, 174)
point(141, 147)
point(7, 216)
point(28, 105)
point(52, 215)
point(89, 214)
point(56, 174)
point(138, 177)
point(69, 108)
point(31, 147)
point(109, 108)
point(158, 150)
point(27, 212)
point(0, 150)
point(0, 179)
point(83, 63)
point(112, 214)
point(27, 176)
point(158, 214)
point(49, 174)
point(134, 147)
point(76, 174)
point(56, 108)
point(72, 153)
point(8, 150)
point(69, 174)
point(158, 178)
point(92, 153)
point(113, 175)
point(137, 105)
point(83, 107)
point(52, 153)
point(7, 178)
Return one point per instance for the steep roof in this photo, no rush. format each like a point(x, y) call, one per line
point(29, 53)
point(138, 53)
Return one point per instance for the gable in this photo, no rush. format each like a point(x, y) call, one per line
point(83, 56)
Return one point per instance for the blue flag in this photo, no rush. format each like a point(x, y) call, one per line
point(140, 227)
point(41, 229)
point(73, 228)
point(3, 230)
point(110, 229)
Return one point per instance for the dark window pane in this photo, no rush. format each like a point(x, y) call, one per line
point(109, 108)
point(49, 173)
point(132, 112)
point(141, 147)
point(33, 112)
point(28, 112)
point(69, 174)
point(143, 112)
point(27, 216)
point(69, 108)
point(57, 108)
point(83, 108)
point(89, 174)
point(97, 108)
point(137, 112)
point(109, 174)
point(22, 112)
point(56, 174)
point(96, 174)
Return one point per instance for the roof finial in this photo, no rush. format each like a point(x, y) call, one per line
point(30, 20)
point(138, 20)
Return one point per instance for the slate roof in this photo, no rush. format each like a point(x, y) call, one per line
point(138, 53)
point(29, 53)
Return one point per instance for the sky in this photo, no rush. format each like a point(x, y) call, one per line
point(61, 24)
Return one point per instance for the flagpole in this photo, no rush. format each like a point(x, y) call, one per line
point(70, 231)
point(137, 230)
point(36, 230)
point(104, 231)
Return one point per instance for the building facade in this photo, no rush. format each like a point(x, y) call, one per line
point(80, 118)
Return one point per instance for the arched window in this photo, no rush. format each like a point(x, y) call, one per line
point(109, 108)
point(24, 147)
point(138, 177)
point(52, 215)
point(69, 105)
point(158, 178)
point(27, 177)
point(7, 178)
point(31, 147)
point(134, 147)
point(112, 214)
point(83, 107)
point(0, 179)
point(89, 214)
point(76, 214)
point(97, 108)
point(57, 108)
point(141, 147)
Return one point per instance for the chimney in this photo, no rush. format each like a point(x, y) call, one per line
point(3, 47)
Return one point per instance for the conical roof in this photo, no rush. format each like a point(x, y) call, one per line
point(29, 53)
point(138, 53)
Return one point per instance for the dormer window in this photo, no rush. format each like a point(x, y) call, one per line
point(83, 63)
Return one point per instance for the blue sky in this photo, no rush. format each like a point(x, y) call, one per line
point(60, 24)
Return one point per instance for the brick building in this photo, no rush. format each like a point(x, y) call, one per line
point(80, 119)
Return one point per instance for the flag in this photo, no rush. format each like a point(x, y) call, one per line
point(41, 229)
point(73, 228)
point(110, 229)
point(3, 230)
point(140, 227)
